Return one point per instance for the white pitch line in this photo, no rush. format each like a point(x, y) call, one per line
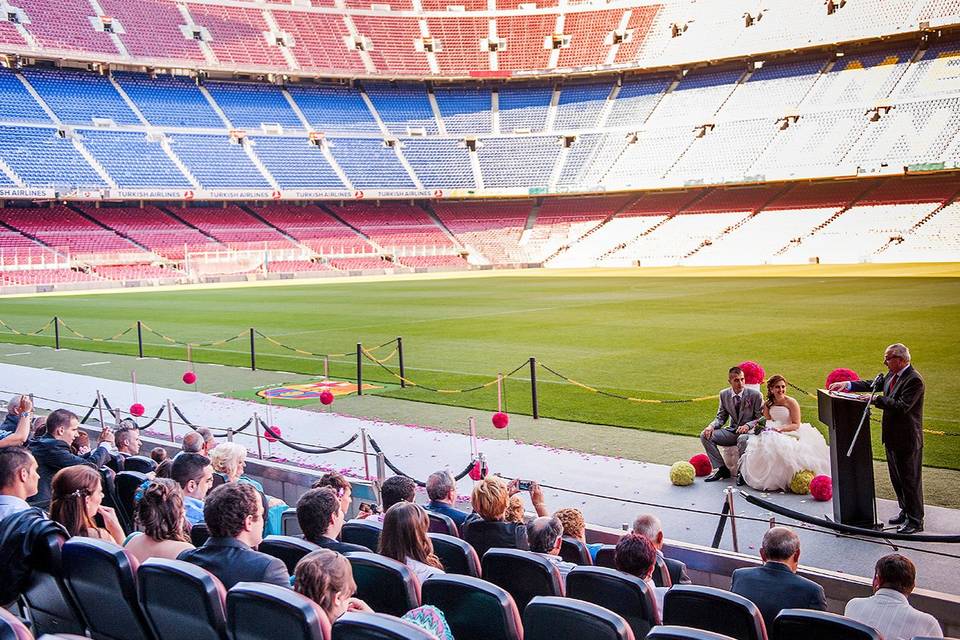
point(21, 353)
point(93, 364)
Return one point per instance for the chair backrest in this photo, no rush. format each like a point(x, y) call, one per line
point(523, 574)
point(287, 548)
point(12, 627)
point(182, 601)
point(52, 608)
point(289, 525)
point(386, 585)
point(475, 609)
point(377, 626)
point(805, 623)
point(673, 632)
point(140, 464)
point(549, 617)
point(199, 534)
point(219, 479)
point(102, 578)
point(440, 523)
point(622, 593)
point(127, 483)
point(365, 532)
point(456, 555)
point(110, 499)
point(256, 610)
point(713, 610)
point(605, 556)
point(575, 551)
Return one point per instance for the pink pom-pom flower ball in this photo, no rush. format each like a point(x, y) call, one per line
point(753, 373)
point(841, 375)
point(701, 464)
point(326, 397)
point(189, 377)
point(476, 471)
point(500, 420)
point(137, 409)
point(821, 488)
point(269, 436)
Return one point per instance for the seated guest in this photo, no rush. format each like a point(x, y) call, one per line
point(18, 479)
point(396, 489)
point(442, 491)
point(545, 535)
point(326, 577)
point(158, 454)
point(230, 459)
point(77, 494)
point(192, 443)
point(775, 585)
point(233, 513)
point(888, 610)
point(320, 515)
point(649, 525)
point(127, 439)
point(574, 526)
point(636, 555)
point(53, 451)
point(486, 528)
point(165, 468)
point(18, 424)
point(159, 516)
point(194, 474)
point(340, 485)
point(404, 538)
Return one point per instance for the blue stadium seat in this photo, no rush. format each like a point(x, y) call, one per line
point(580, 104)
point(78, 97)
point(169, 101)
point(518, 162)
point(132, 160)
point(402, 106)
point(296, 163)
point(465, 110)
point(248, 105)
point(440, 163)
point(370, 164)
point(216, 162)
point(523, 107)
point(333, 108)
point(43, 159)
point(16, 102)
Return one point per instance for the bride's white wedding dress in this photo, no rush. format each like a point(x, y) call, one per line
point(772, 457)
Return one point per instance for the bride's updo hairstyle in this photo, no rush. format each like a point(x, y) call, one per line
point(772, 381)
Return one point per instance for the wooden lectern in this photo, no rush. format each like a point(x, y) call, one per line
point(854, 499)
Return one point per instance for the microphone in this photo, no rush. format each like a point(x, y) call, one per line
point(877, 383)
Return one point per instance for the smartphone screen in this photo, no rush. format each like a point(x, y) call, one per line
point(524, 485)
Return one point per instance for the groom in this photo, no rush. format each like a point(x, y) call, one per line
point(741, 406)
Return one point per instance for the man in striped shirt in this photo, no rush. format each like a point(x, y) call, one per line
point(887, 610)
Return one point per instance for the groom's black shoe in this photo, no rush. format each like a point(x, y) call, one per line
point(910, 527)
point(900, 519)
point(719, 474)
point(740, 480)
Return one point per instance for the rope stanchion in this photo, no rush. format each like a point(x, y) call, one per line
point(225, 433)
point(26, 333)
point(304, 448)
point(304, 352)
point(618, 396)
point(93, 407)
point(393, 467)
point(115, 336)
point(366, 353)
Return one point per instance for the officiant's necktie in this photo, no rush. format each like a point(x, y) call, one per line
point(893, 383)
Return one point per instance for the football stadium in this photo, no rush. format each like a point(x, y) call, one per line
point(479, 319)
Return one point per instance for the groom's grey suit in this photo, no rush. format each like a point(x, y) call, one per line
point(748, 408)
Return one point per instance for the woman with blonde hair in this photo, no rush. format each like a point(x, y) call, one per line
point(76, 498)
point(230, 459)
point(159, 515)
point(404, 538)
point(486, 527)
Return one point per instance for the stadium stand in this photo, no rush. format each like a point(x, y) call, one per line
point(44, 157)
point(63, 25)
point(251, 105)
point(369, 163)
point(237, 35)
point(441, 163)
point(234, 227)
point(16, 101)
point(296, 163)
point(402, 107)
point(216, 162)
point(153, 228)
point(465, 109)
point(333, 108)
point(152, 29)
point(169, 101)
point(314, 228)
point(133, 160)
point(66, 230)
point(80, 98)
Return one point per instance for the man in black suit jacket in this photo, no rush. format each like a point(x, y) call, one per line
point(234, 514)
point(649, 525)
point(320, 515)
point(776, 586)
point(53, 451)
point(902, 404)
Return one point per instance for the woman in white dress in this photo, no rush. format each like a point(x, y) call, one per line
point(785, 445)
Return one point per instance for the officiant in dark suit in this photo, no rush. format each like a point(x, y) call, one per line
point(902, 404)
point(740, 406)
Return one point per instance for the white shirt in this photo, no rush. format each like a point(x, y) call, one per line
point(658, 593)
point(563, 566)
point(889, 612)
point(10, 505)
point(422, 570)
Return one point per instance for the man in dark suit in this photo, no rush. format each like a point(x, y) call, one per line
point(234, 514)
point(740, 406)
point(649, 525)
point(320, 515)
point(53, 451)
point(776, 586)
point(902, 404)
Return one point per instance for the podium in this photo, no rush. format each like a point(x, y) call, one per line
point(854, 500)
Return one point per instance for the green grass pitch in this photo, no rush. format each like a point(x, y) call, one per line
point(635, 333)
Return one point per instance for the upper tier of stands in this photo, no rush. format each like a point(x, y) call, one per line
point(391, 38)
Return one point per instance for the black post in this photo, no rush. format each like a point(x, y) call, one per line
point(140, 338)
point(56, 332)
point(359, 369)
point(253, 353)
point(403, 375)
point(533, 388)
point(718, 534)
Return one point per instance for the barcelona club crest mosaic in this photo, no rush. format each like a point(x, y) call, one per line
point(312, 390)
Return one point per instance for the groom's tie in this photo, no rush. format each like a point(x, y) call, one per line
point(736, 405)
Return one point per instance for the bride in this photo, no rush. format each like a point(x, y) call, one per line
point(785, 445)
